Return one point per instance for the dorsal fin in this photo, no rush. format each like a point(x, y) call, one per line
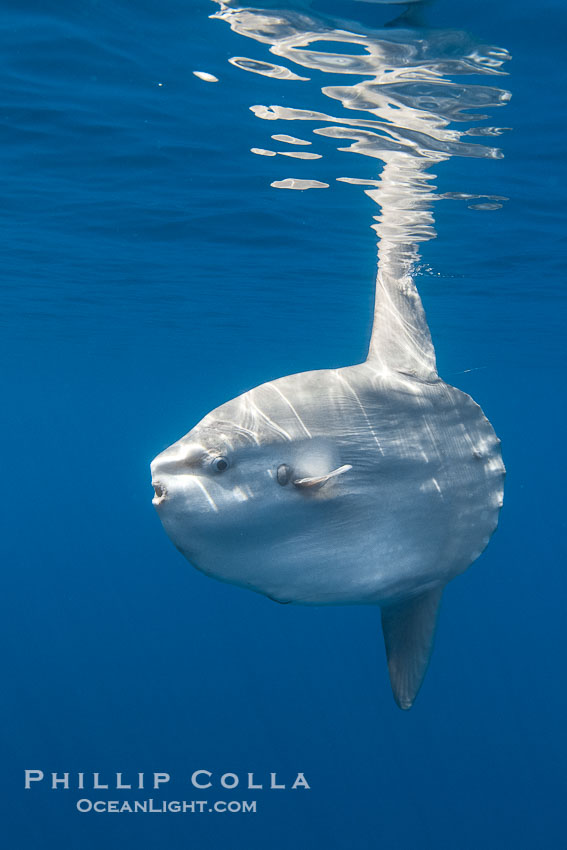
point(409, 629)
point(400, 340)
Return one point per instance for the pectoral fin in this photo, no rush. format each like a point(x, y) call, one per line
point(313, 482)
point(409, 629)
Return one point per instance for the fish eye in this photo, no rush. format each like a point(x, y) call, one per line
point(219, 464)
point(283, 474)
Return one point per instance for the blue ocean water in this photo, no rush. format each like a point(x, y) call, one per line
point(151, 272)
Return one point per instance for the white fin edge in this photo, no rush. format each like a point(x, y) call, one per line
point(312, 482)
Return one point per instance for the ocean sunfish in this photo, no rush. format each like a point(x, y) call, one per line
point(372, 484)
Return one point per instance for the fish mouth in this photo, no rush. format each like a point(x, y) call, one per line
point(160, 493)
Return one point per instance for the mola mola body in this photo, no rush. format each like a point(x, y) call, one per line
point(369, 484)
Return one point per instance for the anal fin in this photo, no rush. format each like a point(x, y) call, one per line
point(409, 629)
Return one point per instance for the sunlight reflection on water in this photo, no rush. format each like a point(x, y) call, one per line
point(412, 105)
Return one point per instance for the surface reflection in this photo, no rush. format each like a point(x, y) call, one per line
point(419, 97)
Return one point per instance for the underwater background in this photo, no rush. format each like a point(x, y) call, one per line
point(150, 272)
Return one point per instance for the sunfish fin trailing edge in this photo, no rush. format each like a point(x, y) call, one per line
point(409, 630)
